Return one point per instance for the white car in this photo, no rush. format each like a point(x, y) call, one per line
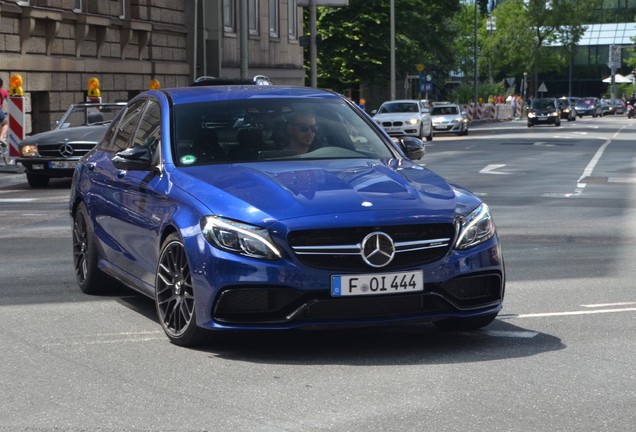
point(405, 117)
point(449, 118)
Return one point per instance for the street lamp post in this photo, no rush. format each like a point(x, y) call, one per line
point(476, 84)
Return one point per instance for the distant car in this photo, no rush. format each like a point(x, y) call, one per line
point(217, 81)
point(588, 106)
point(54, 154)
point(613, 107)
point(449, 118)
point(568, 111)
point(191, 199)
point(544, 111)
point(405, 117)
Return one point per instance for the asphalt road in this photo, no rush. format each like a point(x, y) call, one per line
point(560, 357)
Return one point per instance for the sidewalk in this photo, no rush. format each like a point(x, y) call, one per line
point(10, 169)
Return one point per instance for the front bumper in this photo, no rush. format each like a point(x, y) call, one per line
point(234, 294)
point(49, 167)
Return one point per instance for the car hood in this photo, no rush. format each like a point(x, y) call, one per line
point(544, 110)
point(75, 134)
point(342, 191)
point(396, 116)
point(444, 118)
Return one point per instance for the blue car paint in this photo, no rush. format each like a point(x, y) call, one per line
point(282, 196)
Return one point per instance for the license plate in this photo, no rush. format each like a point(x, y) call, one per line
point(376, 284)
point(392, 129)
point(62, 164)
point(542, 118)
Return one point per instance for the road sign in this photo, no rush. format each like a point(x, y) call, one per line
point(542, 88)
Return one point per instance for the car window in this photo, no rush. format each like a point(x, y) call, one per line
point(149, 131)
point(258, 130)
point(398, 107)
point(127, 124)
point(444, 110)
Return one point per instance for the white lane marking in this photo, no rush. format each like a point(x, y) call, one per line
point(490, 169)
point(590, 166)
point(608, 304)
point(16, 200)
point(574, 313)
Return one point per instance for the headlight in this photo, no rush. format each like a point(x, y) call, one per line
point(531, 115)
point(475, 228)
point(413, 121)
point(29, 150)
point(239, 238)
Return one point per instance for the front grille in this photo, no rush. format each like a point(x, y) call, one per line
point(340, 249)
point(389, 124)
point(56, 150)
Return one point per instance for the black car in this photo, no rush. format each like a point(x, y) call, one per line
point(544, 111)
point(589, 106)
point(54, 154)
point(568, 111)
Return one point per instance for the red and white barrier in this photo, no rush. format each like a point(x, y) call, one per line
point(17, 124)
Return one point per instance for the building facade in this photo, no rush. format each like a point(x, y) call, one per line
point(58, 45)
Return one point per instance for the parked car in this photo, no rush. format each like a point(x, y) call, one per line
point(192, 199)
point(54, 154)
point(588, 106)
point(449, 118)
point(406, 117)
point(544, 111)
point(568, 110)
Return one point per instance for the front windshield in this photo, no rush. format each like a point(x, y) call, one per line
point(398, 107)
point(543, 104)
point(254, 130)
point(89, 114)
point(444, 110)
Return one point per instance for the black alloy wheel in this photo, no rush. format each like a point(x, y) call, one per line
point(174, 294)
point(90, 278)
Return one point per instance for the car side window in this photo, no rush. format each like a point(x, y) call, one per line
point(149, 131)
point(127, 125)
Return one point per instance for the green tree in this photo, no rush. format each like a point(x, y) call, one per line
point(355, 47)
point(526, 29)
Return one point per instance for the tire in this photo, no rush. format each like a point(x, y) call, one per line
point(37, 181)
point(174, 295)
point(429, 137)
point(90, 279)
point(464, 324)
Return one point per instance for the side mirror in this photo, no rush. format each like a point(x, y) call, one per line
point(413, 147)
point(137, 158)
point(374, 112)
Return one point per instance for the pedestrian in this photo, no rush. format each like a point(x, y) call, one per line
point(3, 117)
point(513, 103)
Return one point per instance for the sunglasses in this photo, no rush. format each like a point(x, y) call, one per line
point(305, 128)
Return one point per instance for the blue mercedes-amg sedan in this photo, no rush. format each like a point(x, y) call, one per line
point(270, 208)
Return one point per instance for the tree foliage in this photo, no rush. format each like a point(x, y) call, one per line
point(356, 42)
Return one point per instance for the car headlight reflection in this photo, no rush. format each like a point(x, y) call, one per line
point(240, 238)
point(29, 150)
point(475, 228)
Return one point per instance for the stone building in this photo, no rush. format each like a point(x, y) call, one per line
point(58, 45)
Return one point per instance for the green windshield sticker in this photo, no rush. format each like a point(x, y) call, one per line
point(188, 159)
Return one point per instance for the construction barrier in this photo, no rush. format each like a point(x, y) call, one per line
point(17, 123)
